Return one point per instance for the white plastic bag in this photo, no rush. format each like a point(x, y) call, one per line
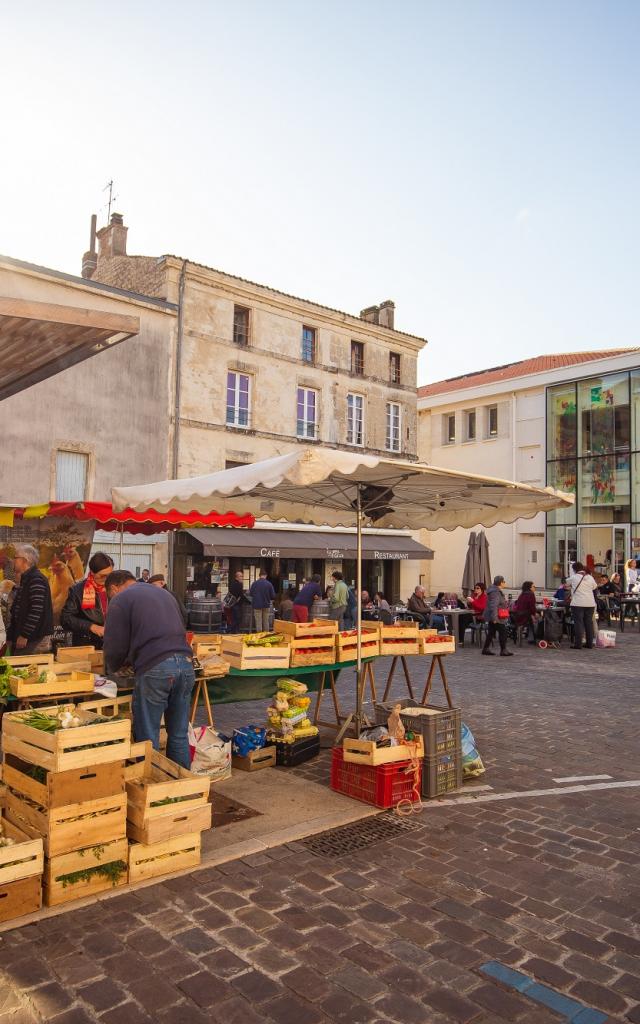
point(606, 638)
point(211, 753)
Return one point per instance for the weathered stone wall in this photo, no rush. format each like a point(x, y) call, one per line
point(142, 274)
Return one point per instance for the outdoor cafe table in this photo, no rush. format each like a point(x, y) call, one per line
point(632, 603)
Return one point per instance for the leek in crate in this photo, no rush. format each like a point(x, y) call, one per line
point(60, 739)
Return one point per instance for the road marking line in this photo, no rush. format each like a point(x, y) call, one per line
point(582, 778)
point(524, 794)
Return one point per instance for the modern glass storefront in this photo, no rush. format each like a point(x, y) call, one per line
point(593, 451)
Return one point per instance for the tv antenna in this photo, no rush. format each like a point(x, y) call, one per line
point(112, 198)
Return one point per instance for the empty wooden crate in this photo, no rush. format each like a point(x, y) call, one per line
point(59, 789)
point(68, 828)
point(174, 854)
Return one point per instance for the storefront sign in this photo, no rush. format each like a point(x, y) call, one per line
point(384, 556)
point(335, 553)
point(269, 552)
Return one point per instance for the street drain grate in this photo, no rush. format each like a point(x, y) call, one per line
point(350, 838)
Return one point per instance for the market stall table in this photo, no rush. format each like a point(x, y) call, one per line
point(436, 662)
point(632, 603)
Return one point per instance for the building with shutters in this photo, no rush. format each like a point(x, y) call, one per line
point(571, 421)
point(259, 372)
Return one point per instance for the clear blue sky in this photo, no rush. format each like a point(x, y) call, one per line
point(477, 162)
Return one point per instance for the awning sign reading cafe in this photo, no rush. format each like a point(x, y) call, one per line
point(258, 543)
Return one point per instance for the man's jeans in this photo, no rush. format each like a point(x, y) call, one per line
point(261, 619)
point(165, 690)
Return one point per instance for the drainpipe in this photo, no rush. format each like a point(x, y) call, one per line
point(175, 457)
point(514, 469)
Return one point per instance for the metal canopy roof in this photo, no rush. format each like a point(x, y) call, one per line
point(39, 339)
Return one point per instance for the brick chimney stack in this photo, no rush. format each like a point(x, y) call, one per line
point(90, 258)
point(383, 315)
point(113, 237)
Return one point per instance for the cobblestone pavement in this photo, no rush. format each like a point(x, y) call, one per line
point(545, 883)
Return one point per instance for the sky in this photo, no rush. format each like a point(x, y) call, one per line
point(476, 161)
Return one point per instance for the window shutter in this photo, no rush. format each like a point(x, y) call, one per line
point(504, 419)
point(71, 476)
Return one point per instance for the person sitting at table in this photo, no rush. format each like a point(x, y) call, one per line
point(453, 601)
point(369, 611)
point(525, 613)
point(612, 590)
point(380, 602)
point(477, 602)
point(419, 607)
point(603, 610)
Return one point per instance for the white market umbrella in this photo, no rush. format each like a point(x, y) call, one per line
point(325, 487)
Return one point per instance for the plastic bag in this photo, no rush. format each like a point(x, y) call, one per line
point(251, 737)
point(472, 765)
point(606, 638)
point(210, 753)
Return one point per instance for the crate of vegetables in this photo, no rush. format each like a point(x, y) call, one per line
point(256, 651)
point(174, 854)
point(437, 643)
point(399, 639)
point(85, 872)
point(316, 650)
point(64, 829)
point(37, 681)
point(157, 786)
point(59, 789)
point(306, 630)
point(21, 855)
point(62, 738)
point(347, 644)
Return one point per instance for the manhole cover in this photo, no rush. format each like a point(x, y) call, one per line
point(360, 835)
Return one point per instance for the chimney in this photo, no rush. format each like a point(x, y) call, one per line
point(113, 237)
point(90, 258)
point(386, 312)
point(370, 314)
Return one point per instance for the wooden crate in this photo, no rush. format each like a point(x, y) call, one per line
point(71, 684)
point(26, 660)
point(206, 643)
point(20, 898)
point(64, 829)
point(239, 655)
point(58, 789)
point(366, 752)
point(56, 892)
point(443, 645)
point(149, 861)
point(96, 660)
point(97, 742)
point(398, 640)
point(347, 646)
point(178, 823)
point(306, 630)
point(255, 760)
point(22, 860)
point(67, 667)
point(75, 653)
point(110, 707)
point(317, 650)
point(154, 779)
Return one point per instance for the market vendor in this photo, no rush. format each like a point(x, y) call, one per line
point(144, 628)
point(303, 603)
point(86, 605)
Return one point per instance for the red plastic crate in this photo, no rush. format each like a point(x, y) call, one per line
point(384, 785)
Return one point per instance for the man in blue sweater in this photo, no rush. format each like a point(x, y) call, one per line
point(262, 594)
point(144, 628)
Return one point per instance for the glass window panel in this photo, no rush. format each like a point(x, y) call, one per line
point(635, 489)
point(635, 410)
point(561, 421)
point(603, 406)
point(309, 344)
point(603, 489)
point(562, 476)
point(561, 550)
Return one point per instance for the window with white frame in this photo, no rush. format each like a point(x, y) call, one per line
point(449, 428)
point(238, 399)
point(492, 421)
point(471, 424)
point(72, 474)
point(393, 427)
point(307, 413)
point(355, 419)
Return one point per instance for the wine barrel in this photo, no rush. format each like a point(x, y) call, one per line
point(205, 614)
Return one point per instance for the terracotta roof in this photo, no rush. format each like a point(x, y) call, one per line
point(539, 364)
point(287, 295)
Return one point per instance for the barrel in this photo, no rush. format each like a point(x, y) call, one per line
point(320, 610)
point(205, 614)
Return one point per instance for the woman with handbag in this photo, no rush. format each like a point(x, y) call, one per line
point(583, 605)
point(496, 614)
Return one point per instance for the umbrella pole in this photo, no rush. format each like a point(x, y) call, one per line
point(121, 545)
point(359, 680)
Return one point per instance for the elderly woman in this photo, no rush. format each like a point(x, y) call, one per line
point(86, 605)
point(31, 621)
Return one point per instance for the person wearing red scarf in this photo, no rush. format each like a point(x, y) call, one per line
point(86, 607)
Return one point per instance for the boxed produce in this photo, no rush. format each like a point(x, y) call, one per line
point(157, 786)
point(64, 829)
point(59, 789)
point(63, 738)
point(437, 643)
point(85, 872)
point(317, 650)
point(288, 716)
point(21, 856)
point(402, 638)
point(174, 854)
point(347, 644)
point(38, 681)
point(256, 650)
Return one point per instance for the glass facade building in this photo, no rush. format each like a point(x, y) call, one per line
point(593, 451)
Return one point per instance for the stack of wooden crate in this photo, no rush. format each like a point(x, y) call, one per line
point(20, 873)
point(311, 643)
point(63, 678)
point(167, 810)
point(66, 789)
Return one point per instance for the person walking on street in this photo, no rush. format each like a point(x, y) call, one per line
point(262, 594)
point(339, 599)
point(583, 605)
point(144, 628)
point(31, 621)
point(237, 591)
point(303, 602)
point(496, 614)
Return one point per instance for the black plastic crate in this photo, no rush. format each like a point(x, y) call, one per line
point(442, 774)
point(441, 733)
point(291, 754)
